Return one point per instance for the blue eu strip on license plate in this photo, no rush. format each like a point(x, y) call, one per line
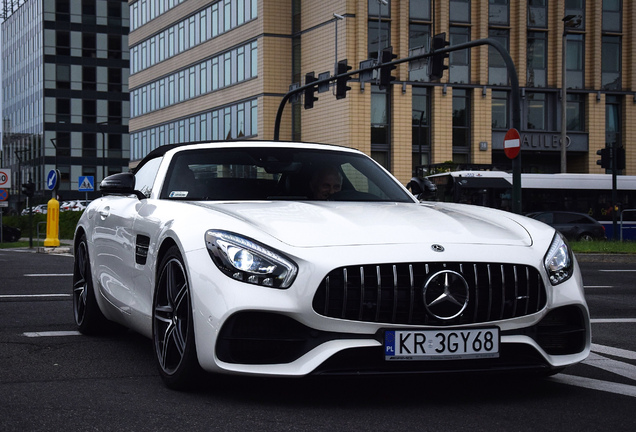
point(447, 344)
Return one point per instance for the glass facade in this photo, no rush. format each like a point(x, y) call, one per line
point(225, 123)
point(52, 118)
point(211, 22)
point(221, 71)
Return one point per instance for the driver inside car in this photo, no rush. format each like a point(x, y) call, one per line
point(325, 182)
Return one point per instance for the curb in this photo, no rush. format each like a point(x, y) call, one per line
point(615, 258)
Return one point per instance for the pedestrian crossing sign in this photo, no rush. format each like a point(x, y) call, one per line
point(86, 183)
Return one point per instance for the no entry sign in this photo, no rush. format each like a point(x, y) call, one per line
point(512, 143)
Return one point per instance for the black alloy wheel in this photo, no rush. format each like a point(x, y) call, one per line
point(88, 316)
point(173, 329)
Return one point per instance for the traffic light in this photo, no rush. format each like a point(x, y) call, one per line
point(309, 91)
point(28, 189)
point(341, 81)
point(387, 56)
point(605, 161)
point(436, 60)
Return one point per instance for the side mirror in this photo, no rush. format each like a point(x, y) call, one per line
point(120, 184)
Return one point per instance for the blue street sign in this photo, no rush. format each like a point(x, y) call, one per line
point(52, 180)
point(86, 184)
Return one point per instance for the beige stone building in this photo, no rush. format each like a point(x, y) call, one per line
point(218, 69)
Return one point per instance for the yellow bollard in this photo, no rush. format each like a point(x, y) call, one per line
point(52, 223)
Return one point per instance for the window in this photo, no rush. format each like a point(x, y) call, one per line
point(537, 111)
point(497, 71)
point(576, 7)
point(461, 125)
point(89, 45)
point(377, 8)
point(612, 16)
point(63, 76)
point(498, 12)
point(420, 9)
point(63, 143)
point(421, 126)
point(537, 63)
point(63, 43)
point(575, 112)
point(89, 111)
point(89, 78)
point(574, 60)
point(379, 117)
point(499, 109)
point(63, 110)
point(114, 80)
point(380, 127)
point(459, 11)
point(114, 112)
point(379, 37)
point(419, 39)
point(537, 13)
point(459, 61)
point(89, 145)
point(114, 47)
point(611, 63)
point(145, 177)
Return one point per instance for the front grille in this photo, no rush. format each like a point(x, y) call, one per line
point(393, 293)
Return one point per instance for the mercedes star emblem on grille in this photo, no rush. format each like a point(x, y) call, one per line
point(445, 294)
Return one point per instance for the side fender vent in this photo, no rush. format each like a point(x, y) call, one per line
point(141, 249)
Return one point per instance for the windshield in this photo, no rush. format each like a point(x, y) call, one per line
point(278, 174)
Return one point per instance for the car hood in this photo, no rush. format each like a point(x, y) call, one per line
point(314, 224)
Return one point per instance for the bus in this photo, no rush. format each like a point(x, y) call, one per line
point(582, 193)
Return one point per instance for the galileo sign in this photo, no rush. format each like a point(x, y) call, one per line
point(544, 141)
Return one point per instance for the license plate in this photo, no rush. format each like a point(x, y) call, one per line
point(447, 344)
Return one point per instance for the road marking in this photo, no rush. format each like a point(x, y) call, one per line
point(598, 286)
point(16, 296)
point(613, 320)
point(623, 369)
point(47, 274)
point(606, 386)
point(617, 367)
point(616, 352)
point(618, 271)
point(52, 333)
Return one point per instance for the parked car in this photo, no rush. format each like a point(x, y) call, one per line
point(40, 208)
point(10, 234)
point(291, 259)
point(574, 226)
point(80, 205)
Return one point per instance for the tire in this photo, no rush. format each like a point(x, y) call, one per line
point(586, 237)
point(88, 317)
point(172, 325)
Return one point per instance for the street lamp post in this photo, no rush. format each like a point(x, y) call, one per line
point(380, 3)
point(337, 18)
point(569, 21)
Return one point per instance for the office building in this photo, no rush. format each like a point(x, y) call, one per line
point(64, 93)
point(218, 69)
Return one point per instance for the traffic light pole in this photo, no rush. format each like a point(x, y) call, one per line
point(514, 97)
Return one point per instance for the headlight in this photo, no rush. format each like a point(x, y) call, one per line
point(558, 261)
point(245, 260)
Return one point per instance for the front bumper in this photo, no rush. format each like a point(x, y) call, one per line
point(246, 329)
point(258, 338)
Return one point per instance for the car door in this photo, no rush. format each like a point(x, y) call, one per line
point(113, 248)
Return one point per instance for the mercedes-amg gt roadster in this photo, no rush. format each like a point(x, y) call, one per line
point(294, 259)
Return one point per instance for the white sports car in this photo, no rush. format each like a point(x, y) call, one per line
point(289, 259)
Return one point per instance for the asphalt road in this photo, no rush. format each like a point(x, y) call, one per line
point(52, 378)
